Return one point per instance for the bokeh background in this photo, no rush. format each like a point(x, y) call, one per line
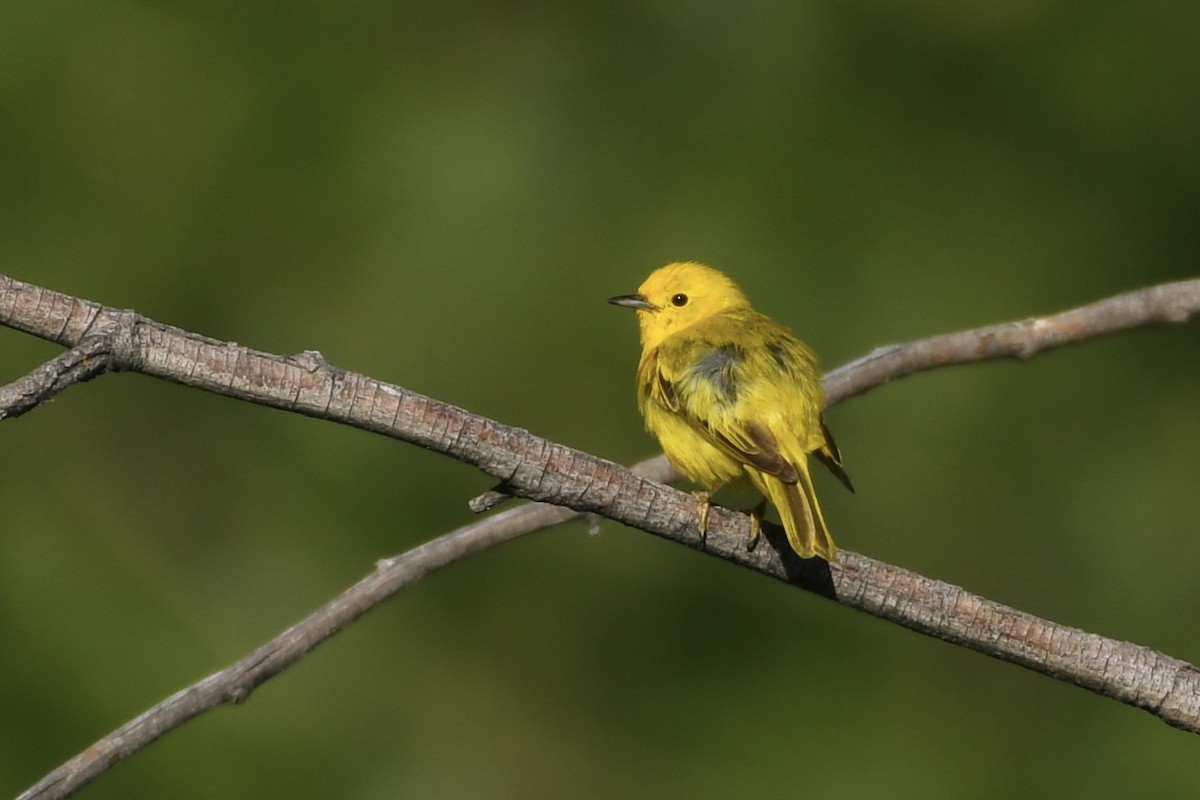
point(442, 196)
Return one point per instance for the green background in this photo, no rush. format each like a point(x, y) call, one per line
point(443, 198)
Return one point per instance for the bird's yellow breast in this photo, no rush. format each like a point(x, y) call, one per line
point(689, 450)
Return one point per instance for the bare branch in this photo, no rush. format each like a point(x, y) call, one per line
point(1167, 303)
point(234, 683)
point(538, 469)
point(81, 363)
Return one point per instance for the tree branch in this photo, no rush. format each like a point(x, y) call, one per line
point(81, 363)
point(545, 471)
point(1167, 303)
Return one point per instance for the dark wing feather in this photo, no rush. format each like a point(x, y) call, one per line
point(760, 452)
point(831, 457)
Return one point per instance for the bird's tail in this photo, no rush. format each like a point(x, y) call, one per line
point(801, 515)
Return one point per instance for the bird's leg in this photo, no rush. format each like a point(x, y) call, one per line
point(702, 498)
point(756, 518)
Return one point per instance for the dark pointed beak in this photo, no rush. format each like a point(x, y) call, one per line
point(630, 301)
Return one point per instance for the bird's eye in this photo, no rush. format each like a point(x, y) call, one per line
point(679, 300)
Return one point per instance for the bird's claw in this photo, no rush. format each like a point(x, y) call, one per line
point(702, 499)
point(756, 516)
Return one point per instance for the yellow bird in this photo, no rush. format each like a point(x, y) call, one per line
point(732, 395)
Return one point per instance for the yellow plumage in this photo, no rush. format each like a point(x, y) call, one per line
point(732, 395)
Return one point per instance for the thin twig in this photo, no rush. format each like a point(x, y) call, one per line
point(535, 468)
point(81, 363)
point(234, 683)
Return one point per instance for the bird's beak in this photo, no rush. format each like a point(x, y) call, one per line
point(630, 301)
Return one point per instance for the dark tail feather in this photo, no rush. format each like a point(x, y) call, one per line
point(802, 518)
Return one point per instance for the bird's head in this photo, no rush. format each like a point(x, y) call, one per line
point(678, 296)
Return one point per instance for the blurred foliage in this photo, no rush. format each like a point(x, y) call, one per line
point(443, 196)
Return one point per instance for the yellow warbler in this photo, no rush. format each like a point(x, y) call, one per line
point(732, 395)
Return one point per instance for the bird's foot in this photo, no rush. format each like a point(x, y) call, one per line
point(704, 505)
point(756, 518)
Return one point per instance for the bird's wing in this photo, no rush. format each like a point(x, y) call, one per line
point(708, 392)
point(754, 444)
